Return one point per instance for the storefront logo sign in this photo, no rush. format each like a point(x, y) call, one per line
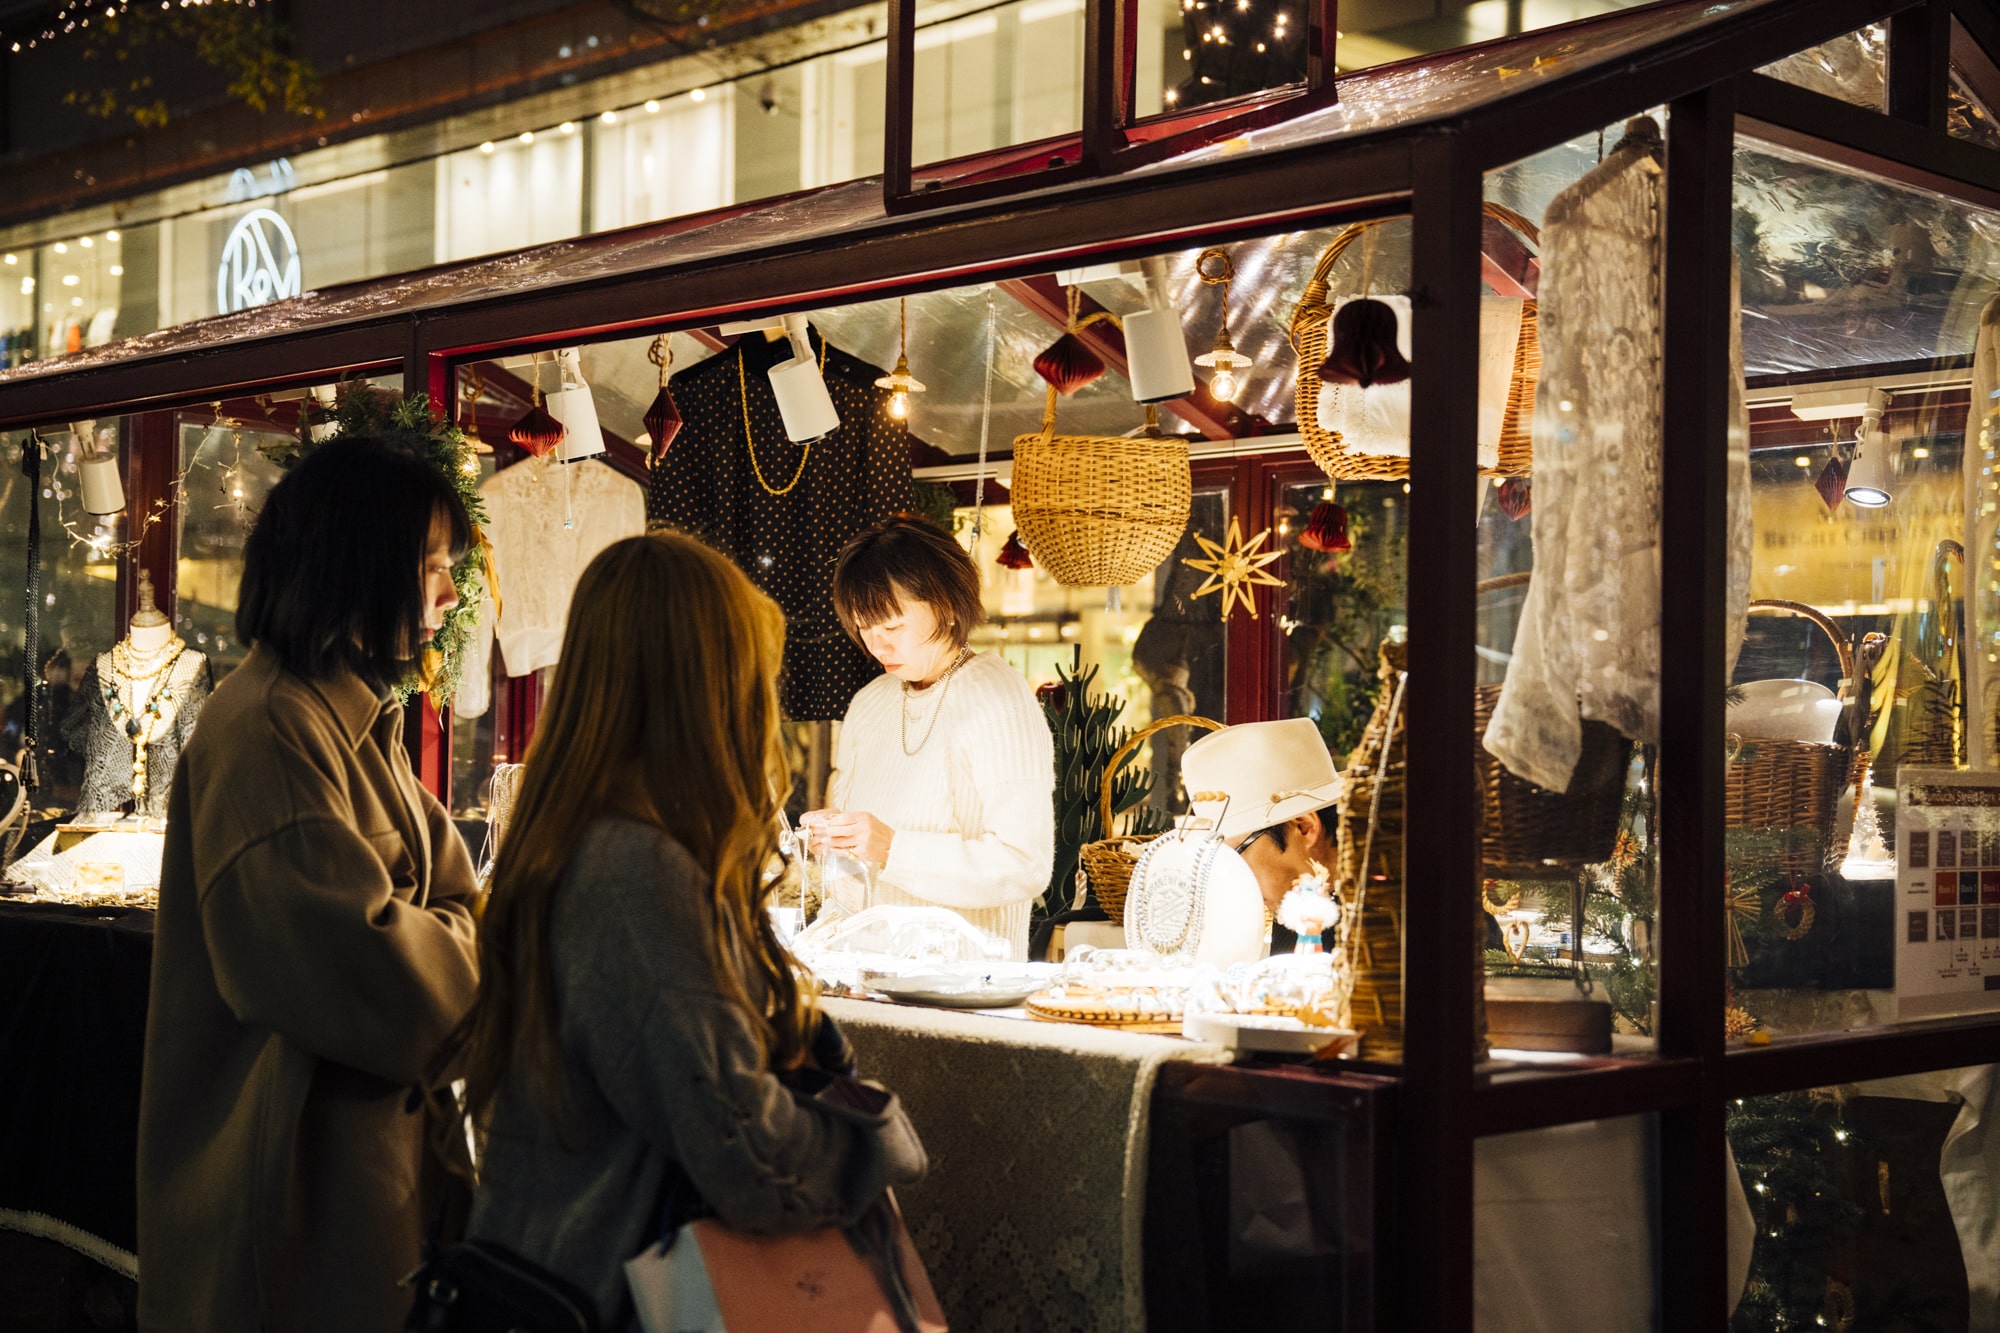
point(260, 263)
point(245, 185)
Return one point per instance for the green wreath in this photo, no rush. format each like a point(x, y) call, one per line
point(359, 409)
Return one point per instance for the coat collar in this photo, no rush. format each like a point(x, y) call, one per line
point(357, 708)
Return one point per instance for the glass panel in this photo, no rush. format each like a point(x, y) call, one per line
point(1193, 52)
point(1534, 1193)
point(1569, 594)
point(79, 595)
point(1865, 298)
point(1870, 1205)
point(991, 79)
point(1382, 32)
point(1970, 117)
point(1852, 68)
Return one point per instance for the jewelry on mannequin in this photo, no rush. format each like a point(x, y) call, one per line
point(139, 721)
point(943, 686)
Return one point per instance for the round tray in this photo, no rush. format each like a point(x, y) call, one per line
point(994, 988)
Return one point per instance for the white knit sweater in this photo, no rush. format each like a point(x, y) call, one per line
point(972, 809)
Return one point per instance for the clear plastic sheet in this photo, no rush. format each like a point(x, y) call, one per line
point(1842, 269)
point(1393, 97)
point(1851, 67)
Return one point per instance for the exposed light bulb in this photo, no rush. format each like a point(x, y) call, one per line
point(609, 118)
point(526, 136)
point(486, 147)
point(567, 127)
point(112, 235)
point(699, 95)
point(1223, 384)
point(652, 104)
point(899, 405)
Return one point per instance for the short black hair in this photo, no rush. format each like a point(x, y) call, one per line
point(907, 552)
point(333, 568)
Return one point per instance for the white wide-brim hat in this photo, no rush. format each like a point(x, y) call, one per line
point(1269, 771)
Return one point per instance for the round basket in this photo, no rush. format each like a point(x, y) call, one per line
point(1108, 862)
point(1099, 510)
point(1778, 784)
point(1310, 320)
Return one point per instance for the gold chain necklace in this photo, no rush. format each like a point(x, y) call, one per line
point(750, 443)
point(943, 687)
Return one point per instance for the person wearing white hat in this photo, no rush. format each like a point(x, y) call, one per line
point(1277, 779)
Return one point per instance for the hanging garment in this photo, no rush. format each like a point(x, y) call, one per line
point(546, 521)
point(1588, 645)
point(107, 750)
point(1982, 541)
point(782, 511)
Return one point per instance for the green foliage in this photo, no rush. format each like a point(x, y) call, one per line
point(1797, 1158)
point(248, 47)
point(1086, 731)
point(361, 410)
point(1343, 605)
point(935, 501)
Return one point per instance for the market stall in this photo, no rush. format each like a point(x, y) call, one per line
point(1683, 315)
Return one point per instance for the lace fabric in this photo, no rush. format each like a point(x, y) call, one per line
point(1588, 645)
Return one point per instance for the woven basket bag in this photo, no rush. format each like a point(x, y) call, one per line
point(1099, 510)
point(1108, 862)
point(1777, 784)
point(1308, 336)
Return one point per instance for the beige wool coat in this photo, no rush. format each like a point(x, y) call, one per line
point(313, 948)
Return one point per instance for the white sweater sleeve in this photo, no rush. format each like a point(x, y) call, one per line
point(1002, 747)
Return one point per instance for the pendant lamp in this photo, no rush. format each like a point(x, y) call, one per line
point(900, 382)
point(1214, 268)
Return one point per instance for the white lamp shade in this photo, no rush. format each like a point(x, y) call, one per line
point(1156, 355)
point(803, 400)
point(573, 405)
point(103, 489)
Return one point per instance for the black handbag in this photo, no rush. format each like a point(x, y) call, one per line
point(475, 1286)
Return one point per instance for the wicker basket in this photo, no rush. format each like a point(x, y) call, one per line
point(1778, 784)
point(1308, 337)
point(1108, 862)
point(1099, 510)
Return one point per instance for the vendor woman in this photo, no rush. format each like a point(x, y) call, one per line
point(944, 771)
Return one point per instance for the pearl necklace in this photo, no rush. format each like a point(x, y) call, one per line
point(140, 721)
point(943, 686)
point(1152, 905)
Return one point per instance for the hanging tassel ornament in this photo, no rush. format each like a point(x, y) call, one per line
point(1326, 530)
point(1832, 481)
point(1516, 498)
point(537, 431)
point(663, 418)
point(900, 382)
point(1068, 363)
point(1014, 555)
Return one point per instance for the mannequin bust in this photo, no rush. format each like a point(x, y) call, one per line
point(133, 712)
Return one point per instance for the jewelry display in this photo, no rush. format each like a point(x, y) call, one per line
point(137, 706)
point(943, 686)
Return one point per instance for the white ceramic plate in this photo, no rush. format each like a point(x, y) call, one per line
point(1785, 710)
point(1263, 1032)
point(999, 986)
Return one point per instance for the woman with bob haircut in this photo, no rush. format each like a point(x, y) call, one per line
point(314, 941)
point(944, 773)
point(636, 1010)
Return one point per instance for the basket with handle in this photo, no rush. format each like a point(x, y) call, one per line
point(1784, 784)
point(1108, 862)
point(1527, 831)
point(1310, 321)
point(1100, 510)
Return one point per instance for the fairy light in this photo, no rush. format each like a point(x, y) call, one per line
point(486, 147)
point(74, 16)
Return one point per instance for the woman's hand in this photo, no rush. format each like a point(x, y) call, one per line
point(857, 833)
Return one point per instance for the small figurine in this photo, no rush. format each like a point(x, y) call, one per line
point(1309, 910)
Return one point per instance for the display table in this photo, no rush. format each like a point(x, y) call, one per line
point(1032, 1214)
point(72, 1032)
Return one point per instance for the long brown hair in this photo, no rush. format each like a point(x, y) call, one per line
point(664, 707)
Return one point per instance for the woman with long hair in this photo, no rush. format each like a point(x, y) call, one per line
point(313, 944)
point(636, 1008)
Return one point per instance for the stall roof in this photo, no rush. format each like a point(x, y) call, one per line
point(1387, 107)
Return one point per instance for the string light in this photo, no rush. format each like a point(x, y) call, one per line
point(75, 15)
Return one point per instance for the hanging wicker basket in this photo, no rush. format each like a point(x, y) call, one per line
point(1099, 510)
point(1309, 339)
point(1108, 862)
point(1780, 784)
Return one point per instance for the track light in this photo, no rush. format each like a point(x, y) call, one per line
point(800, 390)
point(1872, 480)
point(575, 407)
point(97, 468)
point(1156, 354)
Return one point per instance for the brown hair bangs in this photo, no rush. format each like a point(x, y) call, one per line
point(922, 561)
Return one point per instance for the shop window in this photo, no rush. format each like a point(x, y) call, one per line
point(1568, 599)
point(226, 475)
point(526, 191)
point(1853, 68)
point(1384, 34)
point(1868, 1202)
point(1869, 655)
point(664, 162)
point(1970, 116)
point(77, 612)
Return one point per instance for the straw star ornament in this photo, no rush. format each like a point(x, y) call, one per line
point(1236, 567)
